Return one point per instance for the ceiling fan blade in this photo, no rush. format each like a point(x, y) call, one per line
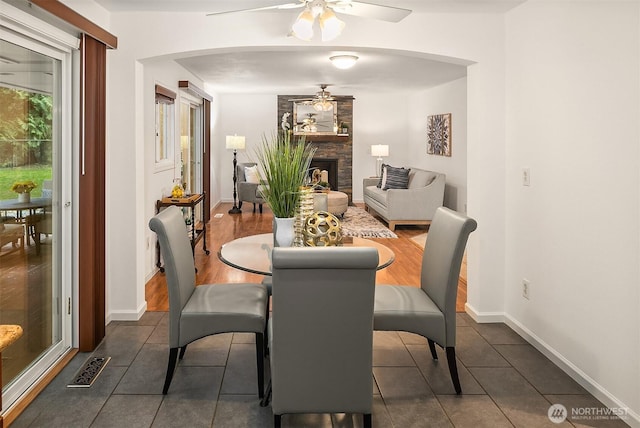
point(255, 9)
point(370, 10)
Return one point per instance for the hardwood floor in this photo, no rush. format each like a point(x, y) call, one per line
point(404, 270)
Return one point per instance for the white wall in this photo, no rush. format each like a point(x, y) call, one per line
point(378, 118)
point(158, 182)
point(572, 118)
point(253, 116)
point(448, 98)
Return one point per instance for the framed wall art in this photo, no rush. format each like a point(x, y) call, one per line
point(439, 134)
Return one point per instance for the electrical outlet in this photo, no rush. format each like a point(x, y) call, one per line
point(526, 288)
point(526, 177)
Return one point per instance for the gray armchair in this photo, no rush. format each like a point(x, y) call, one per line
point(247, 192)
point(430, 310)
point(321, 330)
point(197, 312)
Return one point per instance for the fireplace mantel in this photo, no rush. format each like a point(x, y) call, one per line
point(330, 138)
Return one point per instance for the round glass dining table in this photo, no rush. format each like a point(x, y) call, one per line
point(253, 253)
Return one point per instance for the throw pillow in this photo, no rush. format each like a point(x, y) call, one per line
point(383, 177)
point(251, 174)
point(397, 178)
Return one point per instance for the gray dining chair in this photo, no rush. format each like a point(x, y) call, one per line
point(430, 310)
point(199, 311)
point(321, 330)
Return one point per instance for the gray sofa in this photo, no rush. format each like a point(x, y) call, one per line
point(415, 205)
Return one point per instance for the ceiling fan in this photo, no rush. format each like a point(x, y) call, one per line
point(321, 101)
point(324, 10)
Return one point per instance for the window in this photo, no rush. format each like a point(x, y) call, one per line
point(165, 128)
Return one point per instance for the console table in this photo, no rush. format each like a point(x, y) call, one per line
point(197, 229)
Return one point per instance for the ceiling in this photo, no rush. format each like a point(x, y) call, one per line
point(447, 6)
point(301, 69)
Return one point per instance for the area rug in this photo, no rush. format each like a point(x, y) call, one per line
point(359, 223)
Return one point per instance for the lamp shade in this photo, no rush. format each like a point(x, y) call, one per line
point(330, 25)
point(379, 150)
point(303, 27)
point(235, 142)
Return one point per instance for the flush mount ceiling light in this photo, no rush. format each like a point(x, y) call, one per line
point(325, 12)
point(343, 62)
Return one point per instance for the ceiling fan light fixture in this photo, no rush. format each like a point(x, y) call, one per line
point(343, 62)
point(303, 27)
point(330, 25)
point(322, 105)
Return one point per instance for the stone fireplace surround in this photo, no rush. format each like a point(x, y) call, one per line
point(329, 147)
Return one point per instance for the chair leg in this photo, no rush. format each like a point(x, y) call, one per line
point(260, 208)
point(432, 347)
point(266, 333)
point(453, 368)
point(239, 204)
point(182, 351)
point(254, 207)
point(267, 396)
point(277, 421)
point(260, 361)
point(366, 420)
point(173, 356)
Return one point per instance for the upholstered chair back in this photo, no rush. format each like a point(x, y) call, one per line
point(441, 260)
point(178, 264)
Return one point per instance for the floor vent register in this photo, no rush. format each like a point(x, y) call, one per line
point(89, 372)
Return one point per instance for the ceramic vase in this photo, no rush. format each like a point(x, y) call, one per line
point(24, 197)
point(283, 232)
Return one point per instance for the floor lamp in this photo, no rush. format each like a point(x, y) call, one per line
point(235, 143)
point(379, 150)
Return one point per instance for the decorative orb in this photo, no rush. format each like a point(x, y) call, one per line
point(322, 229)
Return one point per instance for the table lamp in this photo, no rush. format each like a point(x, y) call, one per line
point(235, 143)
point(379, 150)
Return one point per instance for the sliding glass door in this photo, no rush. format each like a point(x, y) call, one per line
point(36, 237)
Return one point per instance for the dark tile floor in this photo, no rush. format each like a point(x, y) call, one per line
point(505, 382)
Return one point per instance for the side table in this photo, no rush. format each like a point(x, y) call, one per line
point(197, 229)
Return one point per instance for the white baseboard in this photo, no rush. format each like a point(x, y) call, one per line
point(127, 315)
point(588, 383)
point(484, 317)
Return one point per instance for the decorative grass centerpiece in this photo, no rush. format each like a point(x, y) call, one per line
point(284, 166)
